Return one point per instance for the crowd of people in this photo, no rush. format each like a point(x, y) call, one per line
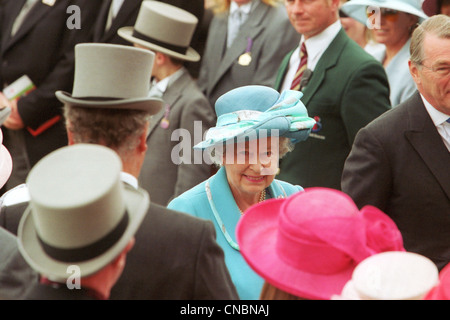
point(225, 150)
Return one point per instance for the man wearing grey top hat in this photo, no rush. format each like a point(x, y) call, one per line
point(167, 30)
point(174, 256)
point(80, 224)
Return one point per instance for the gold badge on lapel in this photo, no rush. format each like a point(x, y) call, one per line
point(49, 2)
point(246, 58)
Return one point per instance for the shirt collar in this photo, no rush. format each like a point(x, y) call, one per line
point(316, 46)
point(129, 179)
point(245, 8)
point(436, 116)
point(164, 83)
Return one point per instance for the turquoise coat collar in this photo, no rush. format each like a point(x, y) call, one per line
point(223, 204)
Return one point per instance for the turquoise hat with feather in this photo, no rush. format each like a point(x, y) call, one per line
point(245, 112)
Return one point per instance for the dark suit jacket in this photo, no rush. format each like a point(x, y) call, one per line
point(400, 164)
point(47, 292)
point(42, 49)
point(175, 257)
point(128, 14)
point(273, 37)
point(347, 90)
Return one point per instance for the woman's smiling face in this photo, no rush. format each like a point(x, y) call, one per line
point(252, 166)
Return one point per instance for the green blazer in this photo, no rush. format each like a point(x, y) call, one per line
point(347, 90)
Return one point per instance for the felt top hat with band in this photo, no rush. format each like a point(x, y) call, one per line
point(163, 28)
point(357, 9)
point(112, 76)
point(80, 211)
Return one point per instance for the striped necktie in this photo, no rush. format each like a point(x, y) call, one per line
point(301, 68)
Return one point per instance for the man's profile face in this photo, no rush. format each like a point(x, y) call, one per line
point(433, 76)
point(311, 17)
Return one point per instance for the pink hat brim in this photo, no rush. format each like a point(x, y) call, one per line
point(256, 234)
point(5, 165)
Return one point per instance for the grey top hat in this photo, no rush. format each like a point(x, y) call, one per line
point(112, 76)
point(164, 28)
point(80, 211)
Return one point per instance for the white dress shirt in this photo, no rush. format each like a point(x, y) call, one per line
point(440, 121)
point(233, 25)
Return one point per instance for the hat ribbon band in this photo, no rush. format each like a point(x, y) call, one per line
point(98, 98)
point(178, 49)
point(90, 251)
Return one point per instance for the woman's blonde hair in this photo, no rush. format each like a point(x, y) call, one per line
point(221, 6)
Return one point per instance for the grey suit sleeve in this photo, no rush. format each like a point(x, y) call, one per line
point(213, 280)
point(275, 48)
point(16, 277)
point(367, 175)
point(196, 113)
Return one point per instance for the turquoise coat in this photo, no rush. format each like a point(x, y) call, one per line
point(195, 202)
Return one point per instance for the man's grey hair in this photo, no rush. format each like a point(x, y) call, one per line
point(438, 25)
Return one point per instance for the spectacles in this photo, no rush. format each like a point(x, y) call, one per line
point(441, 70)
point(342, 14)
point(388, 14)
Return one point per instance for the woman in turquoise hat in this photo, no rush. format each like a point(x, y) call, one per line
point(256, 126)
point(392, 23)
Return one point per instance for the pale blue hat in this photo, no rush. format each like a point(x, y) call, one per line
point(356, 9)
point(249, 109)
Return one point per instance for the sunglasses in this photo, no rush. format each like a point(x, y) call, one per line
point(388, 14)
point(342, 14)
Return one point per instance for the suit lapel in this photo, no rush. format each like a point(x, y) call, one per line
point(6, 34)
point(36, 13)
point(171, 96)
point(425, 139)
point(250, 29)
point(329, 59)
point(128, 7)
point(101, 20)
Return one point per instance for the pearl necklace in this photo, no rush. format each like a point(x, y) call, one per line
point(262, 197)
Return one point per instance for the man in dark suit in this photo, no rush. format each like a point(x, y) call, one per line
point(175, 256)
point(347, 90)
point(36, 41)
point(400, 162)
point(115, 14)
point(166, 174)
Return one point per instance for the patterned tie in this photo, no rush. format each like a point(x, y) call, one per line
point(301, 68)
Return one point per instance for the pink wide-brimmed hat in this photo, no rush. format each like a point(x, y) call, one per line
point(441, 291)
point(309, 243)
